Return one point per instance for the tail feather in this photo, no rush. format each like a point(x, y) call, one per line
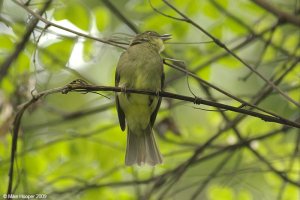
point(142, 149)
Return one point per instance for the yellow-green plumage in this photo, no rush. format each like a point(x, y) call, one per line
point(140, 67)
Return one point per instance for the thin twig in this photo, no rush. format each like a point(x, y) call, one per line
point(21, 45)
point(293, 19)
point(222, 45)
point(49, 23)
point(81, 86)
point(18, 117)
point(118, 13)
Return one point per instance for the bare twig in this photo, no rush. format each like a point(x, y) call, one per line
point(49, 23)
point(21, 45)
point(4, 68)
point(293, 19)
point(244, 103)
point(213, 174)
point(16, 127)
point(82, 86)
point(118, 13)
point(222, 45)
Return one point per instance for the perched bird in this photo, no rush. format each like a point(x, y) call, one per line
point(140, 67)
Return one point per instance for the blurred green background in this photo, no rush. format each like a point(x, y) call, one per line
point(70, 145)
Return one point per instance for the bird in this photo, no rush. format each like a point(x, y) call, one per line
point(140, 67)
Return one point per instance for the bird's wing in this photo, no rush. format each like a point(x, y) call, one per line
point(153, 115)
point(121, 114)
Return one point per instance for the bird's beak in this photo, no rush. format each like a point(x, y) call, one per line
point(165, 37)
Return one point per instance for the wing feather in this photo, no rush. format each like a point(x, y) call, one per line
point(121, 114)
point(154, 114)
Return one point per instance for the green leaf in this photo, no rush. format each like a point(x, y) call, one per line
point(205, 73)
point(244, 195)
point(210, 11)
point(223, 3)
point(7, 85)
point(235, 27)
point(6, 42)
point(88, 47)
point(22, 63)
point(76, 13)
point(56, 55)
point(217, 192)
point(103, 18)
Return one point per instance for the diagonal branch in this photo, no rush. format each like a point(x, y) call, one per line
point(82, 87)
point(244, 103)
point(118, 13)
point(49, 23)
point(278, 13)
point(21, 45)
point(222, 45)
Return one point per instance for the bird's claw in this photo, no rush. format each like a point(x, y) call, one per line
point(157, 93)
point(123, 89)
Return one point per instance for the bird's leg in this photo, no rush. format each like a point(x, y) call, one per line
point(151, 97)
point(124, 91)
point(157, 92)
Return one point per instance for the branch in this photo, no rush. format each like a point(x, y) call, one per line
point(293, 19)
point(49, 23)
point(118, 13)
point(255, 152)
point(222, 45)
point(82, 87)
point(16, 127)
point(3, 71)
point(21, 45)
point(211, 175)
point(182, 68)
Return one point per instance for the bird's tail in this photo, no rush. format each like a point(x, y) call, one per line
point(142, 149)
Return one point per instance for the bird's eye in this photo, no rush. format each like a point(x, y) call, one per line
point(152, 33)
point(145, 39)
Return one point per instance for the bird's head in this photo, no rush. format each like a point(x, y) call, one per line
point(150, 37)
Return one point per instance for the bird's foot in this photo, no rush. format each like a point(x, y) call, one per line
point(158, 92)
point(123, 89)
